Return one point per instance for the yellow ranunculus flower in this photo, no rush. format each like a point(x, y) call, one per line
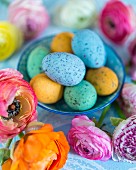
point(10, 39)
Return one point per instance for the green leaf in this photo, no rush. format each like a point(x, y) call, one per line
point(115, 121)
point(4, 155)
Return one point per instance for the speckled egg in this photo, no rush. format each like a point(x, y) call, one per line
point(80, 97)
point(46, 90)
point(64, 68)
point(34, 60)
point(62, 42)
point(87, 45)
point(104, 80)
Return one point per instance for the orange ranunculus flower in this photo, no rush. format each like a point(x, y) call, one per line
point(41, 149)
point(7, 164)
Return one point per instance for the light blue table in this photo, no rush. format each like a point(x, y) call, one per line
point(60, 122)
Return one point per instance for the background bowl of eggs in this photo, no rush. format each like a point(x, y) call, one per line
point(73, 73)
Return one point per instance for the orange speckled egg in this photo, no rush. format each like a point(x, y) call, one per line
point(46, 90)
point(62, 42)
point(103, 79)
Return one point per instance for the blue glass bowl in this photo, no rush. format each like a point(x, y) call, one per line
point(113, 62)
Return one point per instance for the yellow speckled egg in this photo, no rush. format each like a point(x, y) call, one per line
point(46, 90)
point(103, 79)
point(62, 42)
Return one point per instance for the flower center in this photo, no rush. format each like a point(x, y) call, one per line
point(82, 19)
point(86, 150)
point(134, 50)
point(13, 109)
point(112, 25)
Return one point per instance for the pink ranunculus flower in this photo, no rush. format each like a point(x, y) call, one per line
point(17, 104)
point(88, 140)
point(30, 16)
point(117, 21)
point(127, 99)
point(132, 48)
point(130, 45)
point(124, 141)
point(132, 72)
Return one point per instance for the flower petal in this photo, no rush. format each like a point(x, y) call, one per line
point(114, 13)
point(41, 149)
point(10, 73)
point(124, 139)
point(127, 99)
point(82, 121)
point(13, 87)
point(7, 164)
point(90, 142)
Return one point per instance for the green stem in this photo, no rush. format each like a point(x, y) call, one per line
point(8, 143)
point(5, 152)
point(119, 111)
point(105, 110)
point(95, 121)
point(21, 135)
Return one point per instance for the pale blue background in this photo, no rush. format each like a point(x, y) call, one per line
point(60, 122)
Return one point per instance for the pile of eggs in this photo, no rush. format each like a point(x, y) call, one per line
point(74, 70)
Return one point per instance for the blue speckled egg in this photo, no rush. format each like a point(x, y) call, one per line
point(80, 97)
point(87, 45)
point(64, 68)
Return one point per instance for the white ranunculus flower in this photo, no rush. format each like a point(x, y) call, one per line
point(76, 14)
point(124, 141)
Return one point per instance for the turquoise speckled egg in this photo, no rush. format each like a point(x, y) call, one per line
point(34, 61)
point(80, 97)
point(88, 46)
point(64, 68)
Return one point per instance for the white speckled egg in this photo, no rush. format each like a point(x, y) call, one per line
point(64, 68)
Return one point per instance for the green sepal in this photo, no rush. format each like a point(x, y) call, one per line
point(4, 155)
point(115, 121)
point(134, 81)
